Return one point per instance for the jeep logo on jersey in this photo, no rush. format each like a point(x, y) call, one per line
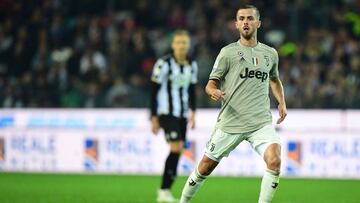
point(257, 74)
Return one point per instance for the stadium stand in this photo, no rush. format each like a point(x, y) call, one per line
point(63, 53)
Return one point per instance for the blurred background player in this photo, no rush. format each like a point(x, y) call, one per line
point(240, 79)
point(173, 94)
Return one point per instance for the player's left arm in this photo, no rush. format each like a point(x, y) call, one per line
point(192, 94)
point(158, 76)
point(278, 92)
point(277, 88)
point(192, 105)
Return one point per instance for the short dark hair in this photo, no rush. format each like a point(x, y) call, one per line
point(257, 12)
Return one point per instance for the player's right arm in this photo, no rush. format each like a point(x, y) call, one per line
point(157, 77)
point(218, 73)
point(155, 125)
point(212, 89)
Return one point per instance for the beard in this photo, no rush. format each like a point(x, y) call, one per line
point(247, 35)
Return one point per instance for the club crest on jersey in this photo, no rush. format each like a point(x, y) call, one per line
point(267, 60)
point(255, 61)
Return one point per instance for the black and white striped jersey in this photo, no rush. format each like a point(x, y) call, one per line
point(173, 87)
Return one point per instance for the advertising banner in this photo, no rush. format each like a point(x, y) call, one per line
point(314, 143)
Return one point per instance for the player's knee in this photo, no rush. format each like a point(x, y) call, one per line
point(177, 147)
point(177, 150)
point(205, 171)
point(274, 163)
point(206, 166)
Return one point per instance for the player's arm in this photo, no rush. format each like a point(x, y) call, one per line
point(156, 79)
point(192, 94)
point(192, 104)
point(155, 126)
point(212, 89)
point(278, 92)
point(277, 87)
point(218, 72)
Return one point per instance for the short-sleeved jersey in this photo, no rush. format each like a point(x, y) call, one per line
point(173, 97)
point(244, 74)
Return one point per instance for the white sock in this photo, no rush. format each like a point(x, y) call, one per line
point(269, 185)
point(192, 185)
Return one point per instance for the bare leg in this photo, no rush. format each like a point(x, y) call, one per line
point(197, 177)
point(206, 166)
point(270, 179)
point(272, 157)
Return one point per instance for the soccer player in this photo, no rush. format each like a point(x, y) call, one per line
point(173, 93)
point(240, 79)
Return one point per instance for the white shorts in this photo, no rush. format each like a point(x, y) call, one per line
point(221, 143)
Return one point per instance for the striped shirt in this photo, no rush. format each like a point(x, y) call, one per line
point(173, 87)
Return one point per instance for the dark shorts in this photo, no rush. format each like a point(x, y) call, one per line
point(175, 128)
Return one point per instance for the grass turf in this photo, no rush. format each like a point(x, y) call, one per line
point(63, 188)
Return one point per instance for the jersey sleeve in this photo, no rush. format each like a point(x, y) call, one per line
point(220, 68)
point(194, 75)
point(153, 94)
point(274, 72)
point(159, 71)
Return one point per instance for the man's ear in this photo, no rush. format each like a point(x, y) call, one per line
point(259, 24)
point(236, 25)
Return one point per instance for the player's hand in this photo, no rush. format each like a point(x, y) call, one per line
point(282, 113)
point(217, 95)
point(192, 120)
point(155, 125)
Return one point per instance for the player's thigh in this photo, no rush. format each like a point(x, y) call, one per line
point(221, 144)
point(261, 139)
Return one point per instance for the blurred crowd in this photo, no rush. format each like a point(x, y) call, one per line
point(89, 53)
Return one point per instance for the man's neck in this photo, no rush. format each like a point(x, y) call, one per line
point(181, 59)
point(248, 42)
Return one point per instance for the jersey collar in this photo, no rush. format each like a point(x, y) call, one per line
point(257, 43)
point(187, 59)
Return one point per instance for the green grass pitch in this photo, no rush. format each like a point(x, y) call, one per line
point(63, 188)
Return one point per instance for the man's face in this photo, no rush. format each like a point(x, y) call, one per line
point(247, 22)
point(181, 44)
